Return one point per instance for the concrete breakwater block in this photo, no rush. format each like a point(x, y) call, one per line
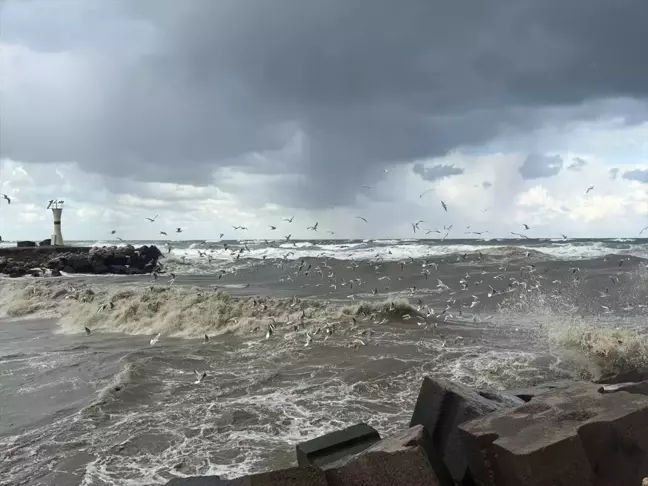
point(441, 407)
point(336, 445)
point(295, 476)
point(527, 394)
point(576, 435)
point(398, 460)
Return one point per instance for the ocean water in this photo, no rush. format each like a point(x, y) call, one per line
point(355, 327)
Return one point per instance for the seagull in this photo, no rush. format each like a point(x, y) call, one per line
point(113, 232)
point(564, 236)
point(178, 230)
point(163, 233)
point(444, 206)
point(49, 205)
point(153, 218)
point(314, 227)
point(201, 376)
point(120, 239)
point(646, 228)
point(363, 219)
point(425, 192)
point(590, 188)
point(526, 226)
point(155, 338)
point(273, 227)
point(290, 220)
point(7, 198)
point(87, 330)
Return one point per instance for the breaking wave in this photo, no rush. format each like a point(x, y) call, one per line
point(177, 311)
point(614, 336)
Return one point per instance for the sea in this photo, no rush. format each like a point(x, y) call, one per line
point(101, 377)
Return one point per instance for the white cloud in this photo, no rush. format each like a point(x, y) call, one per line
point(97, 204)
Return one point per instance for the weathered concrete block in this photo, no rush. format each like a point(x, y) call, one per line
point(397, 460)
point(566, 437)
point(623, 377)
point(441, 406)
point(336, 445)
point(25, 244)
point(528, 393)
point(296, 476)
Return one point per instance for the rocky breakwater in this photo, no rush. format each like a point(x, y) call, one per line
point(51, 261)
point(556, 434)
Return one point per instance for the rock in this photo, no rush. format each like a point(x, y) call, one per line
point(336, 445)
point(397, 460)
point(568, 436)
point(623, 377)
point(296, 476)
point(55, 273)
point(25, 244)
point(47, 242)
point(441, 406)
point(527, 394)
point(126, 260)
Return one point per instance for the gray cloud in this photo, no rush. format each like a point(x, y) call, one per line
point(636, 175)
point(577, 164)
point(436, 172)
point(614, 173)
point(537, 166)
point(170, 90)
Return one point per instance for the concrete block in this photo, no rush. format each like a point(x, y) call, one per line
point(25, 244)
point(441, 406)
point(336, 445)
point(623, 377)
point(296, 476)
point(397, 460)
point(566, 437)
point(528, 393)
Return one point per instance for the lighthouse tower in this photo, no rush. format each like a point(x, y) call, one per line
point(57, 236)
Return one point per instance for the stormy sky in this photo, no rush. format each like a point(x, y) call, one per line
point(217, 111)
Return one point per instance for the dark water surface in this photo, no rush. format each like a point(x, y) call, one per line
point(109, 408)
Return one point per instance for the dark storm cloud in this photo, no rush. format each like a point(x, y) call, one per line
point(367, 82)
point(577, 164)
point(636, 175)
point(537, 166)
point(436, 172)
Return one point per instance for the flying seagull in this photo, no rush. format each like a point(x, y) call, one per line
point(113, 232)
point(646, 228)
point(590, 188)
point(445, 208)
point(363, 219)
point(163, 233)
point(49, 205)
point(200, 376)
point(7, 198)
point(153, 218)
point(526, 226)
point(155, 338)
point(290, 220)
point(314, 227)
point(273, 227)
point(178, 230)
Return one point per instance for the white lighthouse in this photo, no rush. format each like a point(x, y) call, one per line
point(57, 236)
